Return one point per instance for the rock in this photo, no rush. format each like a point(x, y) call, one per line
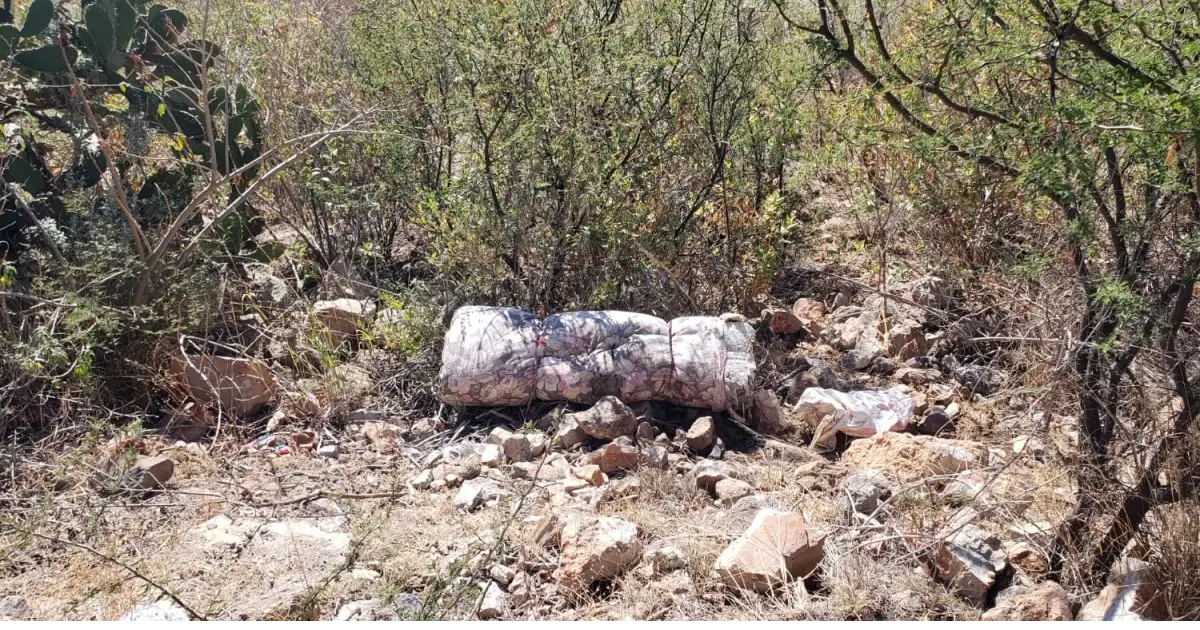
point(910, 458)
point(811, 314)
point(718, 449)
point(608, 419)
point(238, 387)
point(645, 431)
point(629, 487)
point(537, 444)
point(866, 489)
point(1045, 602)
point(568, 434)
point(149, 473)
point(476, 492)
point(349, 382)
point(781, 321)
point(515, 446)
point(491, 455)
point(729, 491)
point(700, 435)
point(653, 456)
point(968, 561)
point(590, 473)
point(709, 472)
point(917, 376)
point(858, 360)
point(616, 456)
point(342, 319)
point(492, 602)
point(774, 549)
point(533, 472)
point(573, 485)
point(15, 607)
point(937, 422)
point(1029, 559)
point(501, 574)
point(767, 412)
point(162, 610)
point(381, 434)
point(422, 480)
point(979, 379)
point(329, 451)
point(905, 341)
point(1130, 595)
point(933, 292)
point(663, 558)
point(595, 548)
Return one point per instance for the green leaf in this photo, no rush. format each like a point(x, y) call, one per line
point(44, 59)
point(126, 20)
point(8, 39)
point(100, 27)
point(38, 17)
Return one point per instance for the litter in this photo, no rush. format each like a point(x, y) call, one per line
point(857, 414)
point(498, 356)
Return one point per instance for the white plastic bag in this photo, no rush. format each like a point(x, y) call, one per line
point(857, 414)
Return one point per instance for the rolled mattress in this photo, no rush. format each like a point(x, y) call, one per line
point(497, 356)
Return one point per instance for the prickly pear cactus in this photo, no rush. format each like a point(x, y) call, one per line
point(142, 75)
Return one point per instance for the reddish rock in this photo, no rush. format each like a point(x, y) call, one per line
point(776, 548)
point(700, 435)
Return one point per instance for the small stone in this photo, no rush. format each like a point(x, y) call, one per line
point(422, 480)
point(568, 434)
point(729, 491)
point(629, 487)
point(162, 610)
point(645, 431)
point(979, 379)
point(866, 489)
point(768, 413)
point(1029, 559)
point(1045, 602)
point(663, 439)
point(857, 360)
point(491, 455)
point(937, 422)
point(492, 602)
point(537, 444)
point(149, 473)
point(718, 450)
point(653, 456)
point(501, 574)
point(1130, 595)
point(590, 473)
point(329, 451)
point(574, 484)
point(709, 472)
point(700, 435)
point(664, 558)
point(381, 434)
point(475, 492)
point(811, 314)
point(969, 561)
point(781, 321)
point(776, 548)
point(342, 318)
point(917, 376)
point(608, 419)
point(595, 548)
point(15, 607)
point(616, 456)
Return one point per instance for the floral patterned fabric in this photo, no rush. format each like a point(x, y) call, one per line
point(505, 356)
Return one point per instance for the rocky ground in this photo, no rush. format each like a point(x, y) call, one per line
point(602, 512)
